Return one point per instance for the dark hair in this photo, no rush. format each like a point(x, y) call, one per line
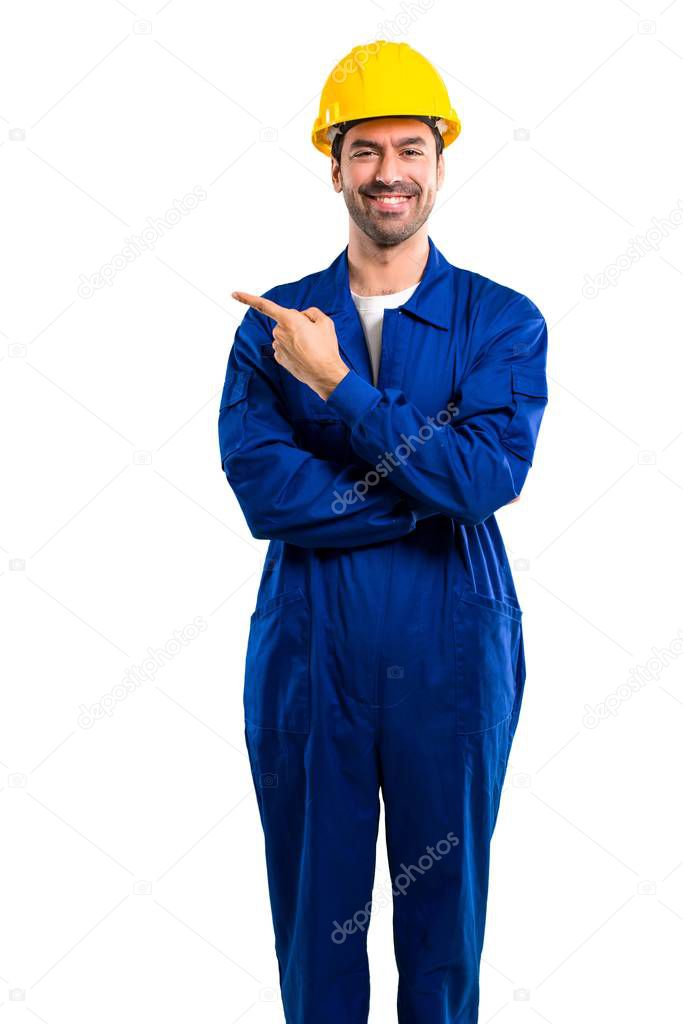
point(339, 137)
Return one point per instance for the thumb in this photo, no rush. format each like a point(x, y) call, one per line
point(313, 313)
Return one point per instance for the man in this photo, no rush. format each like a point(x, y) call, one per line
point(372, 447)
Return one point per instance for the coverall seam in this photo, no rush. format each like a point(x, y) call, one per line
point(272, 728)
point(380, 628)
point(478, 732)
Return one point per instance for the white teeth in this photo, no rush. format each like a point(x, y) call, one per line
point(391, 199)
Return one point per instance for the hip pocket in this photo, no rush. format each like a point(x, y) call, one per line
point(276, 678)
point(487, 638)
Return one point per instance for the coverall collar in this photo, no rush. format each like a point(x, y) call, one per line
point(431, 301)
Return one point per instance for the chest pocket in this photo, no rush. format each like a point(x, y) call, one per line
point(529, 398)
point(323, 435)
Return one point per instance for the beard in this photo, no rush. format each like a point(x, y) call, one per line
point(389, 228)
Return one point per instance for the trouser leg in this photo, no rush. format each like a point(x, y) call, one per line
point(441, 792)
point(318, 797)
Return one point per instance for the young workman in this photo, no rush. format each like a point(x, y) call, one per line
point(375, 415)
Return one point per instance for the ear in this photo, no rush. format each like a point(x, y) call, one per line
point(440, 170)
point(335, 172)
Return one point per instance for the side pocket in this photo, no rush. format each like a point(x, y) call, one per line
point(487, 638)
point(530, 397)
point(232, 409)
point(277, 669)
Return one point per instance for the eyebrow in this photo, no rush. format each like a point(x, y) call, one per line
point(409, 141)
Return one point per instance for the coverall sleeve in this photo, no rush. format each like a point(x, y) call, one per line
point(477, 461)
point(284, 491)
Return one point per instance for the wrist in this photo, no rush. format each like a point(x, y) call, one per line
point(331, 379)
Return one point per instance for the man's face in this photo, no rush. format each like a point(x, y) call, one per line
point(389, 157)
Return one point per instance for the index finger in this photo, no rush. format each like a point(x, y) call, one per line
point(271, 309)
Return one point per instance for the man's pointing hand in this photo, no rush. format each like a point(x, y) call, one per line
point(304, 343)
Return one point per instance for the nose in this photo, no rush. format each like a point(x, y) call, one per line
point(388, 170)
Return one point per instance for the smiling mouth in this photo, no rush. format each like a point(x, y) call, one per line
point(391, 201)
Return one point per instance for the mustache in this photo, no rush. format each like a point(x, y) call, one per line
point(403, 190)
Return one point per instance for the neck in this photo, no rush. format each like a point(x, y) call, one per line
point(383, 269)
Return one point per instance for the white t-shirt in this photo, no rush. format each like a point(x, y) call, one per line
point(371, 311)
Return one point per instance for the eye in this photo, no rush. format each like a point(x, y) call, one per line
point(418, 152)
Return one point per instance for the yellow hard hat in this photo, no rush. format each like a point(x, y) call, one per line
point(383, 79)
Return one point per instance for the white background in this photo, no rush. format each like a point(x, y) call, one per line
point(133, 874)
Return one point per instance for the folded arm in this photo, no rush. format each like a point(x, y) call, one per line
point(470, 463)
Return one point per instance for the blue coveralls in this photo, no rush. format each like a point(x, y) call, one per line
point(385, 649)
